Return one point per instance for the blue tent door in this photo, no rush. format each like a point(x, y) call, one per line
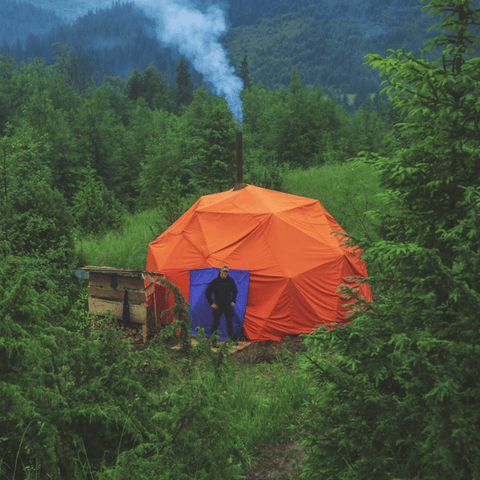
point(201, 311)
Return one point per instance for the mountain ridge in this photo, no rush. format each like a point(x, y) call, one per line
point(326, 43)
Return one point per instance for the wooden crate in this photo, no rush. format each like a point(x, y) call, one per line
point(104, 298)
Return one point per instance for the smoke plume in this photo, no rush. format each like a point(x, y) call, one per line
point(196, 36)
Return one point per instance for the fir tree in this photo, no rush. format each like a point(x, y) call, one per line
point(400, 396)
point(184, 85)
point(244, 72)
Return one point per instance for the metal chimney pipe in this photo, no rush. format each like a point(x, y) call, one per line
point(239, 159)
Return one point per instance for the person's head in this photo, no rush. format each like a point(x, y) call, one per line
point(224, 271)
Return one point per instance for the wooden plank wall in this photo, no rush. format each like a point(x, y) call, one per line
point(138, 313)
point(103, 297)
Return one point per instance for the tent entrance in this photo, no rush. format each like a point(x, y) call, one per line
point(201, 311)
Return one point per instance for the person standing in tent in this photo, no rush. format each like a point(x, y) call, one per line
point(225, 291)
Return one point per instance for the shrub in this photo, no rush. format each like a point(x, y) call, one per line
point(96, 209)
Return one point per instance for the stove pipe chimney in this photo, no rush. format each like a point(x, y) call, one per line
point(239, 158)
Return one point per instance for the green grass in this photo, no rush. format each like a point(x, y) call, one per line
point(346, 191)
point(127, 248)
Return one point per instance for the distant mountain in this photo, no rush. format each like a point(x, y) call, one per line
point(326, 39)
point(18, 19)
point(72, 9)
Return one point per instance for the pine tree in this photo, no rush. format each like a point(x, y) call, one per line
point(244, 73)
point(398, 391)
point(184, 85)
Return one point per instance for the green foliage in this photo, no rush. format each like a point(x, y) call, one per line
point(184, 85)
point(300, 127)
point(60, 390)
point(7, 82)
point(119, 102)
point(326, 41)
point(209, 143)
point(368, 130)
point(163, 160)
point(51, 127)
point(398, 398)
point(260, 171)
point(244, 73)
point(95, 209)
point(151, 86)
point(77, 69)
point(171, 205)
point(108, 146)
point(35, 218)
point(79, 403)
point(125, 249)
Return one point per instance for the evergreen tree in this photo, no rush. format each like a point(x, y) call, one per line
point(95, 208)
point(76, 68)
point(244, 72)
point(209, 144)
point(184, 85)
point(151, 86)
point(35, 218)
point(398, 391)
point(119, 101)
point(155, 88)
point(6, 86)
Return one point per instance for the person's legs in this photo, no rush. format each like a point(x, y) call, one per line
point(228, 317)
point(217, 313)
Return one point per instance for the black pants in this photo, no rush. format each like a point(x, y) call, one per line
point(217, 313)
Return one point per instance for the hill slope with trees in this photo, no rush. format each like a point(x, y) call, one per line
point(20, 19)
point(325, 40)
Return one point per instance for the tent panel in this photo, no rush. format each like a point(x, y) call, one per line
point(315, 222)
point(265, 292)
point(274, 201)
point(195, 234)
point(296, 251)
point(252, 253)
point(221, 230)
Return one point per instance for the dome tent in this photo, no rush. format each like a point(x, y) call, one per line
point(284, 241)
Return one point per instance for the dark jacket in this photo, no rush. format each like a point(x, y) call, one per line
point(224, 289)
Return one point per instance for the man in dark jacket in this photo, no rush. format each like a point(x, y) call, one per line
point(225, 294)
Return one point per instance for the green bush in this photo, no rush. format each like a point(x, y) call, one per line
point(81, 404)
point(96, 210)
point(35, 218)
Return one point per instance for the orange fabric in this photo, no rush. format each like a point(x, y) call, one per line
point(285, 241)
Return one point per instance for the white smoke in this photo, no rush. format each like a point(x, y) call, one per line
point(196, 36)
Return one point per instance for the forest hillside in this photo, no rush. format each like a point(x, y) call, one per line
point(325, 40)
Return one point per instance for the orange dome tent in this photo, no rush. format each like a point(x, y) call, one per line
point(284, 241)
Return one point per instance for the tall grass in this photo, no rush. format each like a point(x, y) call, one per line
point(127, 248)
point(264, 400)
point(346, 191)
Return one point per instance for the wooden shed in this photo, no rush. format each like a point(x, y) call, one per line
point(123, 291)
